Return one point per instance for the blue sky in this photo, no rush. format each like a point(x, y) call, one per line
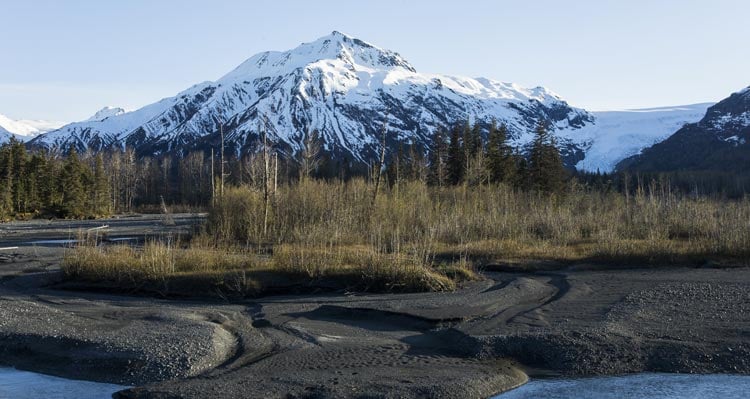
point(63, 60)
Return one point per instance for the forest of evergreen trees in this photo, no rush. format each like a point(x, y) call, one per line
point(463, 156)
point(39, 185)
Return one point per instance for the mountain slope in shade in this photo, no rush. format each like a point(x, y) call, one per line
point(338, 85)
point(718, 142)
point(616, 135)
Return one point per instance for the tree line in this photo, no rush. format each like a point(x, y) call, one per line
point(84, 185)
point(47, 184)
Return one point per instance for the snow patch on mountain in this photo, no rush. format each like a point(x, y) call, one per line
point(735, 140)
point(616, 135)
point(742, 119)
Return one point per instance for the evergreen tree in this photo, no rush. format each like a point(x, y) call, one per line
point(500, 159)
point(438, 174)
point(72, 187)
point(100, 193)
point(546, 171)
point(456, 161)
point(473, 141)
point(37, 182)
point(6, 182)
point(19, 181)
point(475, 168)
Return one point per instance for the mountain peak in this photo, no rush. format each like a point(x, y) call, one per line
point(340, 34)
point(335, 46)
point(105, 113)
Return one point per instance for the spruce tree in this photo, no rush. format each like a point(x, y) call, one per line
point(72, 187)
point(500, 159)
point(456, 161)
point(467, 141)
point(6, 182)
point(437, 173)
point(48, 184)
point(475, 143)
point(475, 169)
point(19, 181)
point(546, 170)
point(100, 192)
point(35, 185)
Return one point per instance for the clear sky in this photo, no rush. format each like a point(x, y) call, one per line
point(65, 59)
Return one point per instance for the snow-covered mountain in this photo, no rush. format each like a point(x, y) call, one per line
point(717, 142)
point(341, 86)
point(24, 129)
point(345, 89)
point(616, 135)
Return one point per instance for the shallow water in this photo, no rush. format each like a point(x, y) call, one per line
point(54, 242)
point(70, 242)
point(654, 386)
point(120, 239)
point(15, 384)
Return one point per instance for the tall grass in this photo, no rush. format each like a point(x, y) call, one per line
point(496, 222)
point(418, 238)
point(229, 271)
